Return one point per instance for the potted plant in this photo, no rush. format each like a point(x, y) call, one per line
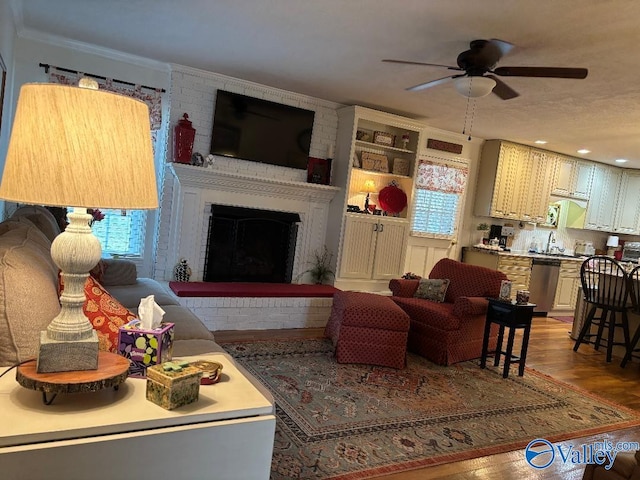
point(482, 228)
point(320, 270)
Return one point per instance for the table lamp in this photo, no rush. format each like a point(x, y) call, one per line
point(81, 148)
point(368, 187)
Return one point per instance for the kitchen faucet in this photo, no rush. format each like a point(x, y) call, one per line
point(551, 240)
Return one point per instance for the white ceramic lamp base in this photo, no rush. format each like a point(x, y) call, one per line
point(70, 342)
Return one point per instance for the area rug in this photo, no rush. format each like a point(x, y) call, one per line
point(343, 421)
point(563, 319)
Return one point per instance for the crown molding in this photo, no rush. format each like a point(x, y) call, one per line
point(57, 41)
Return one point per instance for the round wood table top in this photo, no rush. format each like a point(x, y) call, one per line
point(113, 369)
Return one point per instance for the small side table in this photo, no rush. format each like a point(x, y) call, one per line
point(513, 317)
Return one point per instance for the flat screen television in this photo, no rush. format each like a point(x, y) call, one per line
point(258, 130)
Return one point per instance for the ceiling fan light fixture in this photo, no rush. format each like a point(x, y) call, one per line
point(475, 86)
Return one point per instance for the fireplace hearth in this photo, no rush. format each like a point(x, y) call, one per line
point(250, 245)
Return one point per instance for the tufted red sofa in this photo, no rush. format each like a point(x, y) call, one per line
point(451, 331)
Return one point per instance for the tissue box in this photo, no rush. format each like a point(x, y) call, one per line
point(145, 347)
point(172, 389)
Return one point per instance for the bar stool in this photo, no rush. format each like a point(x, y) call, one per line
point(605, 288)
point(634, 292)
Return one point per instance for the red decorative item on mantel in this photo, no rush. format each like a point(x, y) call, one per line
point(183, 136)
point(392, 200)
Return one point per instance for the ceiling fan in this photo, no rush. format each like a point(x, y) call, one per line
point(478, 65)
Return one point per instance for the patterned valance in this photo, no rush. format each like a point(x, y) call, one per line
point(153, 98)
point(441, 177)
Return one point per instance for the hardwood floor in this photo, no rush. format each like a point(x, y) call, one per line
point(550, 352)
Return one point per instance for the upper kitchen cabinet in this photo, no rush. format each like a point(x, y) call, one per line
point(514, 182)
point(573, 177)
point(602, 200)
point(627, 214)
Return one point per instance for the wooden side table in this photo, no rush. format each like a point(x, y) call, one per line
point(513, 317)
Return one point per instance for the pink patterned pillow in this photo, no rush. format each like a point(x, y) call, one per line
point(433, 289)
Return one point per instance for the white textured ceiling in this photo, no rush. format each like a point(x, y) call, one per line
point(331, 49)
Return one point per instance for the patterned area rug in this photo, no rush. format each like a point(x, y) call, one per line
point(344, 421)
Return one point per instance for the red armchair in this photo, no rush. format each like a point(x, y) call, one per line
point(451, 331)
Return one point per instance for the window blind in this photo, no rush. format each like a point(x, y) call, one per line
point(440, 186)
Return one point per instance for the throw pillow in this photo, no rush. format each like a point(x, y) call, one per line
point(432, 289)
point(106, 314)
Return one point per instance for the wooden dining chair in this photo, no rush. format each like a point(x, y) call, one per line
point(633, 281)
point(605, 289)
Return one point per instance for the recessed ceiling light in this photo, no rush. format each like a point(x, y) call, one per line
point(540, 142)
point(583, 151)
point(621, 160)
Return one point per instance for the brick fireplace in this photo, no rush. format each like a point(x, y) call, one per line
point(195, 189)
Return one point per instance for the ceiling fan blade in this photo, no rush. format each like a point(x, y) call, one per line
point(551, 72)
point(502, 90)
point(408, 62)
point(432, 83)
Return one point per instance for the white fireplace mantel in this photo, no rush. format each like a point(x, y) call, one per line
point(210, 178)
point(196, 188)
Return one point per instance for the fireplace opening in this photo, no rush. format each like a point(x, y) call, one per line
point(250, 245)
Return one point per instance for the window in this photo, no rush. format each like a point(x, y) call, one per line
point(440, 186)
point(121, 233)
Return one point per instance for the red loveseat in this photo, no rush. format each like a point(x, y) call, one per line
point(451, 331)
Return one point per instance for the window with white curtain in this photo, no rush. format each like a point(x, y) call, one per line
point(440, 187)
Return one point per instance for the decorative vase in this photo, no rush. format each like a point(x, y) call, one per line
point(183, 136)
point(182, 271)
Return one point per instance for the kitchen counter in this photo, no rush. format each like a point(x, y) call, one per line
point(521, 253)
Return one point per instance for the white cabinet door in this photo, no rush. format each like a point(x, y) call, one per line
point(572, 177)
point(358, 246)
point(628, 204)
point(563, 184)
point(536, 187)
point(601, 207)
point(511, 176)
point(390, 249)
point(567, 288)
point(582, 179)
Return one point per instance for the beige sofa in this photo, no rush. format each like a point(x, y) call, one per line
point(29, 290)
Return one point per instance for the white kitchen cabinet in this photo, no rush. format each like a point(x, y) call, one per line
point(602, 200)
point(573, 177)
point(627, 213)
point(568, 285)
point(537, 186)
point(373, 247)
point(514, 182)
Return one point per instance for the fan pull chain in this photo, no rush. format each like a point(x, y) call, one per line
point(471, 104)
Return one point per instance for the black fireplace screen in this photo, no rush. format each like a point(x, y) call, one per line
point(250, 245)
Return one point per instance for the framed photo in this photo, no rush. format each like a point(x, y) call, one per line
point(401, 166)
point(384, 138)
point(375, 162)
point(364, 135)
point(319, 170)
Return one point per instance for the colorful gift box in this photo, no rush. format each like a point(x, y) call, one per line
point(173, 384)
point(145, 347)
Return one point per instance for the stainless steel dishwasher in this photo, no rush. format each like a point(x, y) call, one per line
point(543, 283)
